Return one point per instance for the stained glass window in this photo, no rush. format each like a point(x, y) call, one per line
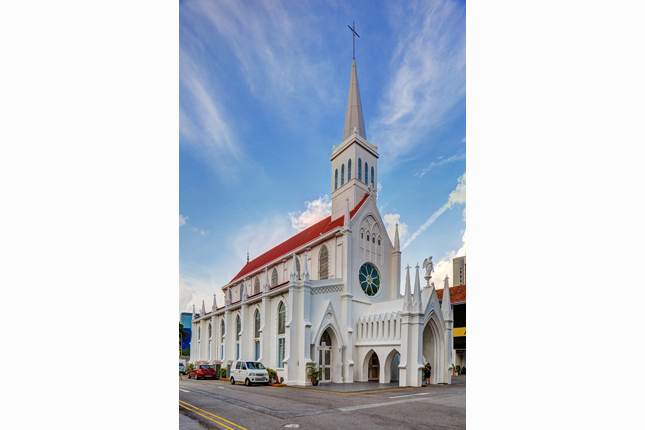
point(342, 175)
point(323, 263)
point(360, 164)
point(349, 170)
point(372, 176)
point(366, 173)
point(369, 279)
point(336, 180)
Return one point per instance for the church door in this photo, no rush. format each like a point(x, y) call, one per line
point(324, 357)
point(373, 368)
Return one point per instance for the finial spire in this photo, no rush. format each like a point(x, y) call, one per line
point(445, 301)
point(247, 254)
point(397, 247)
point(407, 296)
point(417, 303)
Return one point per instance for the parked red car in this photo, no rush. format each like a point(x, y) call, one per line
point(202, 371)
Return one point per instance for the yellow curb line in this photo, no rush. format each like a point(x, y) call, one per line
point(209, 413)
point(375, 391)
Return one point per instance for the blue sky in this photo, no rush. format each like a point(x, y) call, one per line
point(262, 96)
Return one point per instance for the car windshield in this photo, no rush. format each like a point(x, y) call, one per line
point(205, 367)
point(252, 365)
point(181, 365)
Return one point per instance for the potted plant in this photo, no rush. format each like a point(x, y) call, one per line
point(222, 372)
point(313, 373)
point(457, 369)
point(273, 375)
point(463, 370)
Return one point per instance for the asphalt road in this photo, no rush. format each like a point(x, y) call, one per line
point(219, 405)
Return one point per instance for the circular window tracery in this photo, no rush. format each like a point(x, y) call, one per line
point(369, 279)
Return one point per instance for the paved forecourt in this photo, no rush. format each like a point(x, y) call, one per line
point(218, 404)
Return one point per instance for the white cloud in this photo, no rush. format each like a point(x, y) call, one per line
point(316, 211)
point(182, 220)
point(196, 230)
point(259, 238)
point(390, 221)
point(428, 72)
point(457, 196)
point(195, 290)
point(439, 163)
point(443, 267)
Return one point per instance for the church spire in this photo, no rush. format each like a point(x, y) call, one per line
point(354, 115)
point(407, 295)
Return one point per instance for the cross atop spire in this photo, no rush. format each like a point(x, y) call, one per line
point(353, 28)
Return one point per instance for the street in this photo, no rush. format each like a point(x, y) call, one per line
point(220, 405)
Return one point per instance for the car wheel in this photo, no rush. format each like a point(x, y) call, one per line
point(266, 383)
point(247, 382)
point(189, 376)
point(232, 381)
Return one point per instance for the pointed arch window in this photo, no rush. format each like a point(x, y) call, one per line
point(360, 165)
point(325, 339)
point(274, 277)
point(282, 316)
point(366, 173)
point(323, 263)
point(238, 325)
point(257, 334)
point(256, 285)
point(210, 335)
point(336, 181)
point(221, 347)
point(342, 175)
point(349, 170)
point(372, 176)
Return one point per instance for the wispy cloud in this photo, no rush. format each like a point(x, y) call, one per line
point(457, 196)
point(182, 220)
point(202, 122)
point(443, 267)
point(428, 73)
point(316, 211)
point(390, 221)
point(440, 161)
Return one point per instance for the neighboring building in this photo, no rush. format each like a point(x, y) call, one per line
point(330, 294)
point(186, 320)
point(459, 271)
point(458, 303)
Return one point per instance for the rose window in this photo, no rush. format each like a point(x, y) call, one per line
point(369, 279)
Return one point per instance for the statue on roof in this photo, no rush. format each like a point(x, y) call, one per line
point(427, 264)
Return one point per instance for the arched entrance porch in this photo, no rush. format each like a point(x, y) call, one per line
point(433, 349)
point(328, 356)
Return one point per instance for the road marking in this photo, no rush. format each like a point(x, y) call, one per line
point(208, 418)
point(185, 391)
point(408, 395)
point(375, 391)
point(182, 403)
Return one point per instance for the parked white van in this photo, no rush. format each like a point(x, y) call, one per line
point(251, 372)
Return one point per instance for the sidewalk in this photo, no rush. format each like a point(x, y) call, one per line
point(186, 423)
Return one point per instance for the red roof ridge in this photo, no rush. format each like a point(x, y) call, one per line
point(457, 294)
point(296, 241)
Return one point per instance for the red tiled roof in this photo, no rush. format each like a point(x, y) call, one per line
point(305, 236)
point(457, 294)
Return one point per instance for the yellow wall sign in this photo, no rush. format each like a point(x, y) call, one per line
point(459, 332)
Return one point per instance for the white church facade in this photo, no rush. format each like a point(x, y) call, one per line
point(330, 294)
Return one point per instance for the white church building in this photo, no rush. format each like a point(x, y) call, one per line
point(330, 294)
